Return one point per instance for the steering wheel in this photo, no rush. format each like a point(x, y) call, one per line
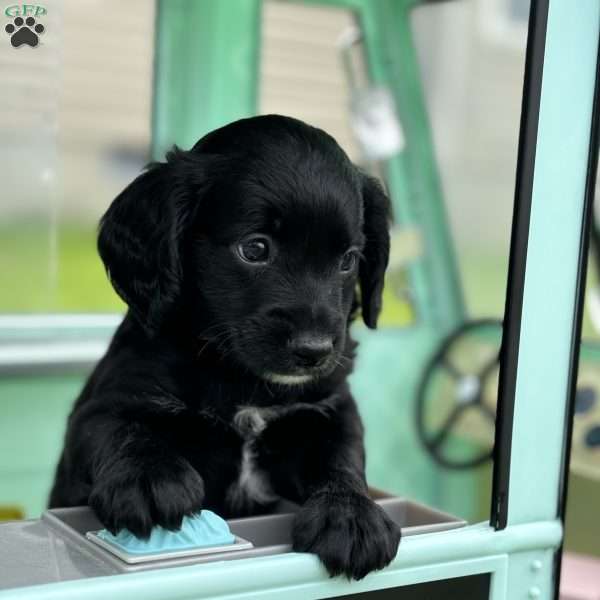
point(457, 394)
point(456, 400)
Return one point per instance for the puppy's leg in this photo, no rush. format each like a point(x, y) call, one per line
point(139, 481)
point(321, 464)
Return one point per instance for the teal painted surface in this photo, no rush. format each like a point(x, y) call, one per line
point(429, 557)
point(530, 575)
point(551, 271)
point(384, 383)
point(33, 417)
point(35, 401)
point(205, 70)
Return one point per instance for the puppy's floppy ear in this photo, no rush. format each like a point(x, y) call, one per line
point(141, 235)
point(376, 220)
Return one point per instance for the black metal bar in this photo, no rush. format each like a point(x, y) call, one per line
point(509, 352)
point(584, 248)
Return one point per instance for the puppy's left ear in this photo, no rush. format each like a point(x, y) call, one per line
point(142, 234)
point(376, 222)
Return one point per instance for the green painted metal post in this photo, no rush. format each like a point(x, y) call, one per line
point(412, 175)
point(206, 68)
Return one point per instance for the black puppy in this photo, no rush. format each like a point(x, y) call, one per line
point(225, 385)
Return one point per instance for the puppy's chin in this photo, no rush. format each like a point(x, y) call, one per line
point(298, 376)
point(283, 379)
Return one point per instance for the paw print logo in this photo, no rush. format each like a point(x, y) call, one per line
point(24, 32)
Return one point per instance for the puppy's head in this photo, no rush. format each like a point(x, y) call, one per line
point(260, 236)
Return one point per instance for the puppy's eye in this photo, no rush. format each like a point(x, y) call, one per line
point(348, 261)
point(254, 249)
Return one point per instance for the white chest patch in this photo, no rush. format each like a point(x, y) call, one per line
point(253, 485)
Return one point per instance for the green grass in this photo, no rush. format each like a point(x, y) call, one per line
point(38, 274)
point(483, 274)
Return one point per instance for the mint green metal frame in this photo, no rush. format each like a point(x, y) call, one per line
point(521, 556)
point(555, 238)
point(429, 557)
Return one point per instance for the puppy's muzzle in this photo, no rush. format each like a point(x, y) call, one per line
point(310, 350)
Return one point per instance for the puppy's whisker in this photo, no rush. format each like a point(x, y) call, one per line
point(203, 348)
point(225, 340)
point(217, 338)
point(211, 328)
point(208, 333)
point(343, 359)
point(268, 388)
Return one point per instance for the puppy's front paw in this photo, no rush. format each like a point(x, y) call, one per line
point(349, 533)
point(134, 496)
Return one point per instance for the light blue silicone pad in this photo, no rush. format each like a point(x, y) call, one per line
point(203, 530)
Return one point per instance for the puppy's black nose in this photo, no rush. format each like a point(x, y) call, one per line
point(311, 350)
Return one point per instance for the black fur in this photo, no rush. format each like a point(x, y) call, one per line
point(153, 435)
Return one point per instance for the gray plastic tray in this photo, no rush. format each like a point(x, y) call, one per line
point(269, 534)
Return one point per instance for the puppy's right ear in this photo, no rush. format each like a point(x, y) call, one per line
point(141, 235)
point(377, 212)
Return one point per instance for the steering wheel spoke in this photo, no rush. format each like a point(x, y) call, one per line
point(450, 368)
point(446, 428)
